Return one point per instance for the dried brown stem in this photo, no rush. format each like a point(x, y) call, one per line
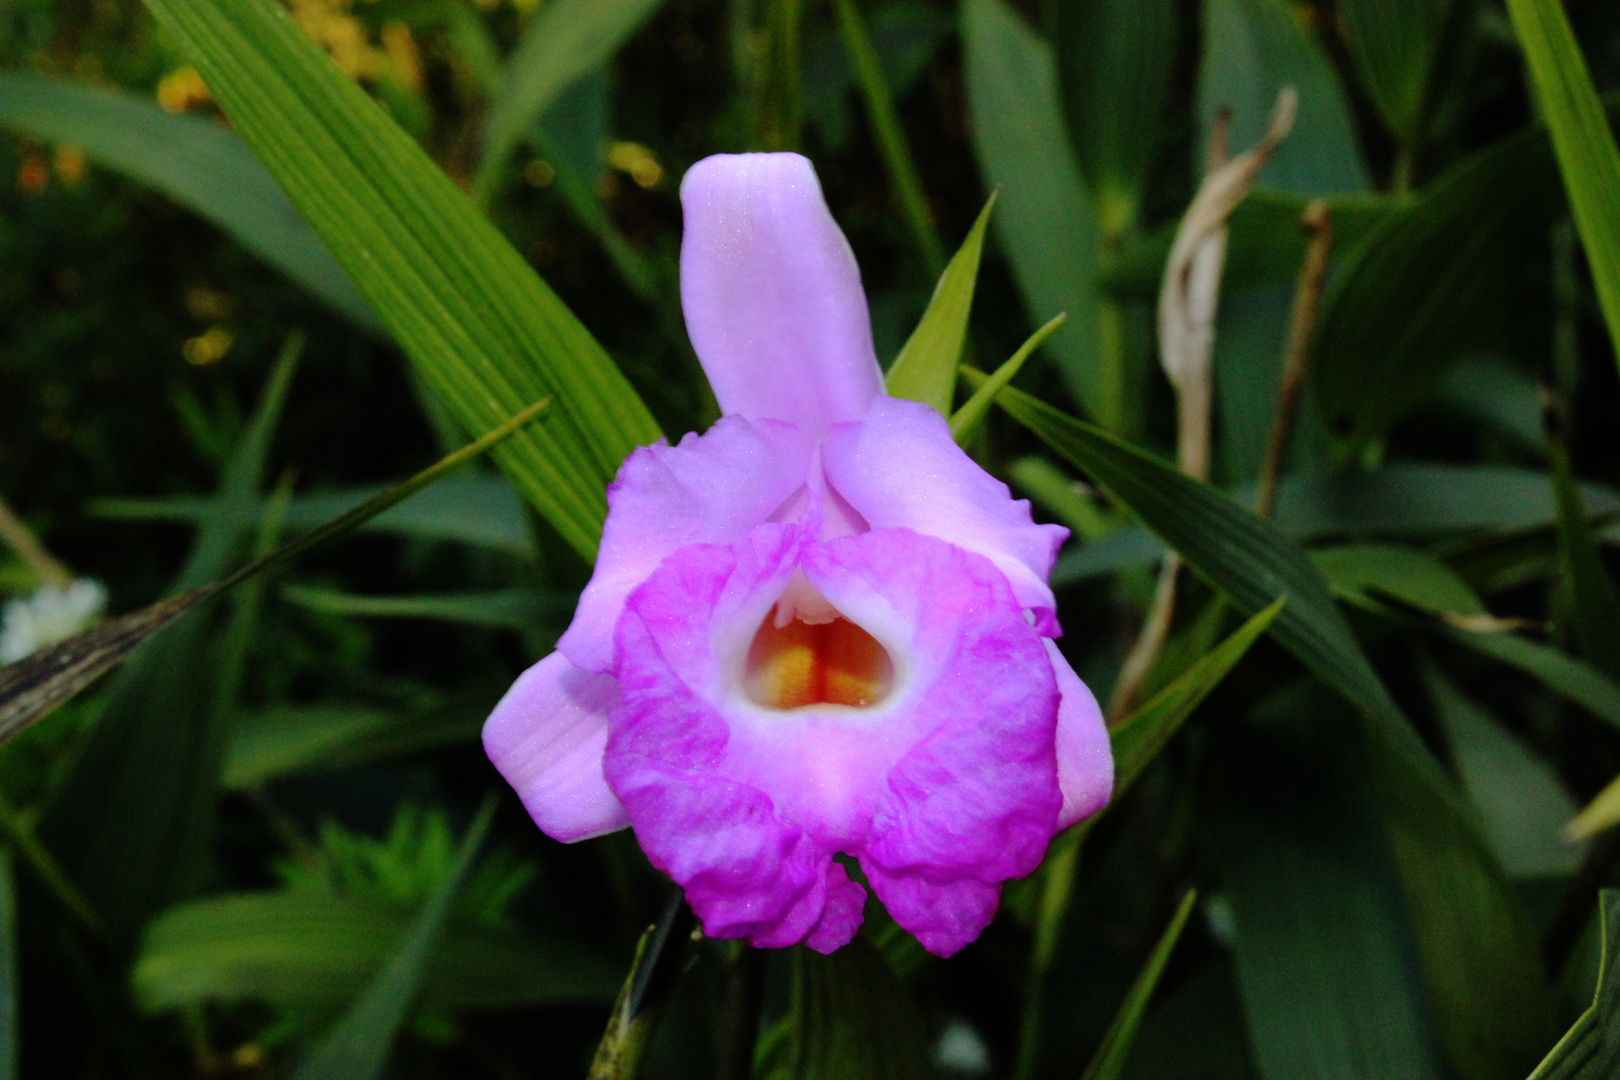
point(1317, 221)
point(45, 566)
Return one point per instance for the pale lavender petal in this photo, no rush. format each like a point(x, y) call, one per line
point(546, 738)
point(899, 467)
point(1084, 755)
point(711, 488)
point(772, 295)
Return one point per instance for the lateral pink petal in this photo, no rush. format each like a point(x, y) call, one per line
point(709, 489)
point(772, 295)
point(546, 738)
point(1084, 755)
point(900, 468)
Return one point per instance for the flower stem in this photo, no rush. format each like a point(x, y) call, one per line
point(739, 1018)
point(1318, 223)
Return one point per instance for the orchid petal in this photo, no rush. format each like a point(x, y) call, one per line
point(711, 488)
point(942, 788)
point(899, 467)
point(1085, 756)
point(772, 295)
point(546, 737)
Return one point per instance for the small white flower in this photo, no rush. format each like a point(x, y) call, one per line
point(51, 615)
point(962, 1050)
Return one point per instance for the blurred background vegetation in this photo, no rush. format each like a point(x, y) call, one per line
point(213, 906)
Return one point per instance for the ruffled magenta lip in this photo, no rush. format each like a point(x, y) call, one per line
point(816, 496)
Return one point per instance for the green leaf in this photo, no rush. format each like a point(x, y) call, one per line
point(1325, 959)
point(1197, 1031)
point(318, 951)
point(31, 688)
point(357, 1048)
point(890, 136)
point(1252, 49)
point(1590, 1050)
point(925, 370)
point(1115, 59)
point(1587, 584)
point(482, 510)
point(1045, 223)
point(1383, 346)
point(483, 329)
point(291, 739)
point(1479, 955)
point(967, 420)
point(1560, 673)
point(1582, 139)
point(133, 821)
point(1410, 576)
point(508, 609)
point(654, 973)
point(1139, 738)
point(1396, 45)
point(10, 1030)
point(561, 43)
point(848, 1018)
point(196, 162)
point(1521, 801)
point(1109, 1061)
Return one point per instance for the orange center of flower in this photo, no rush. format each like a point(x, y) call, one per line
point(832, 663)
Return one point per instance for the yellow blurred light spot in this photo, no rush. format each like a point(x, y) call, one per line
point(180, 90)
point(539, 173)
point(70, 164)
point(208, 347)
point(403, 55)
point(832, 663)
point(638, 162)
point(33, 174)
point(523, 7)
point(248, 1056)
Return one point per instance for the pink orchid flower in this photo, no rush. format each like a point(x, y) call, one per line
point(817, 628)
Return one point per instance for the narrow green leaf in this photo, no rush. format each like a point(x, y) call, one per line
point(925, 370)
point(1116, 59)
point(656, 969)
point(1109, 1061)
point(473, 509)
point(1587, 583)
point(1140, 737)
point(1045, 224)
point(1559, 672)
point(1382, 347)
point(1410, 576)
point(891, 138)
point(483, 329)
point(509, 609)
point(319, 951)
point(1070, 502)
point(1479, 954)
point(848, 1018)
point(1522, 803)
point(778, 105)
point(1582, 139)
point(1397, 45)
point(31, 688)
point(563, 41)
point(133, 821)
point(1590, 1050)
point(10, 1028)
point(293, 739)
point(967, 420)
point(196, 162)
point(357, 1048)
point(1326, 962)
